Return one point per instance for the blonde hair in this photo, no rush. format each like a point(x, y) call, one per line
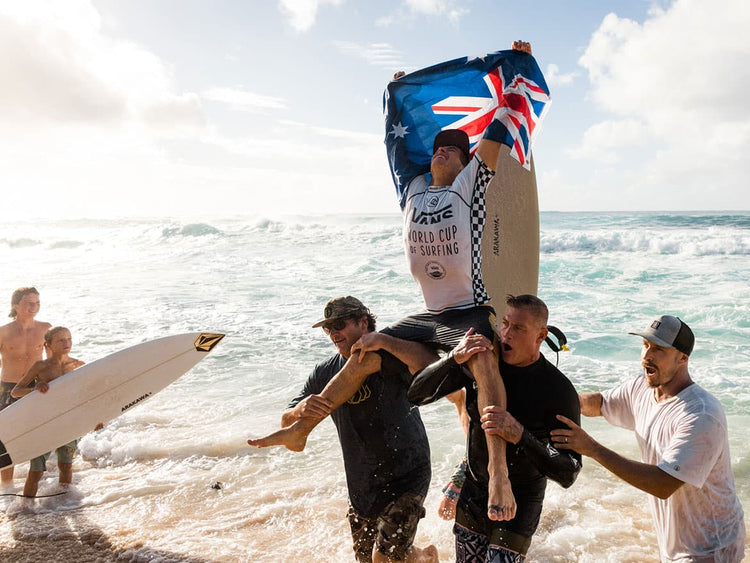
point(51, 332)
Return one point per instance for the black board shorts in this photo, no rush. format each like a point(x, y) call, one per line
point(444, 330)
point(6, 399)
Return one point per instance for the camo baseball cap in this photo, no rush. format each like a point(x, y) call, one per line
point(342, 308)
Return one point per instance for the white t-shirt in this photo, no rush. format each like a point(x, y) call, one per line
point(685, 436)
point(443, 228)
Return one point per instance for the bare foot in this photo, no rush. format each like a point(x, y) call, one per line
point(502, 504)
point(428, 554)
point(292, 437)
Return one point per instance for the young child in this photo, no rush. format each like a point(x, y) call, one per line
point(57, 344)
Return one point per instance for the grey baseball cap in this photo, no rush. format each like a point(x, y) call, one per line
point(670, 332)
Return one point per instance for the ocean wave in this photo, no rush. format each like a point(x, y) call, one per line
point(21, 242)
point(191, 230)
point(696, 221)
point(648, 220)
point(66, 244)
point(704, 243)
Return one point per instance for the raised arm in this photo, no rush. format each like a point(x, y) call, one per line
point(487, 149)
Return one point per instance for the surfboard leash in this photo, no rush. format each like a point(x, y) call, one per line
point(29, 496)
point(562, 342)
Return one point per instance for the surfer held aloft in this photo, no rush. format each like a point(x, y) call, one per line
point(383, 441)
point(21, 345)
point(452, 289)
point(57, 343)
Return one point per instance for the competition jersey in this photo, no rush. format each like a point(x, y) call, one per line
point(443, 228)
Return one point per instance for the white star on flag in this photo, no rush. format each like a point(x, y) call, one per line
point(470, 58)
point(399, 130)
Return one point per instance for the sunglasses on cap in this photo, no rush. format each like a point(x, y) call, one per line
point(338, 324)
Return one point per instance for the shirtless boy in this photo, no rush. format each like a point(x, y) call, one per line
point(57, 344)
point(21, 345)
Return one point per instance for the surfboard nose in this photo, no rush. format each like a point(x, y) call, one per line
point(207, 341)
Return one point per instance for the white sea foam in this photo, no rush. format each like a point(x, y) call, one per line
point(144, 486)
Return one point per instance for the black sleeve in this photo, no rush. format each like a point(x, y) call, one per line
point(560, 466)
point(436, 381)
point(392, 366)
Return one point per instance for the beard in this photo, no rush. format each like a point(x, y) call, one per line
point(651, 373)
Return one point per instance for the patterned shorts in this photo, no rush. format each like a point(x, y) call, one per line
point(392, 531)
point(5, 399)
point(476, 548)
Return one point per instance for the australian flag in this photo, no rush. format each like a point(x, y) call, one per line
point(501, 95)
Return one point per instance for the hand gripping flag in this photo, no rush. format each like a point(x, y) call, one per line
point(501, 95)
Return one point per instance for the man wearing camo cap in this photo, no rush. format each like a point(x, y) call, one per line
point(383, 441)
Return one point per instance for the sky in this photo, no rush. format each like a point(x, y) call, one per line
point(188, 108)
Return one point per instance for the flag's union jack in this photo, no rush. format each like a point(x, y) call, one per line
point(501, 95)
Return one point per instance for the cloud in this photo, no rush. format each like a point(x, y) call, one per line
point(242, 100)
point(691, 57)
point(58, 67)
point(450, 9)
point(602, 141)
point(554, 78)
point(672, 90)
point(302, 13)
point(376, 54)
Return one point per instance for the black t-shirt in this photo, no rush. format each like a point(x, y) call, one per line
point(383, 440)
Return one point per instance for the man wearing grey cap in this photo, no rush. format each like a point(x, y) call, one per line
point(682, 435)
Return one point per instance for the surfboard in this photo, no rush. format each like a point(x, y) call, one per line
point(510, 241)
point(95, 393)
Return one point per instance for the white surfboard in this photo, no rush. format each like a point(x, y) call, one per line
point(510, 242)
point(96, 393)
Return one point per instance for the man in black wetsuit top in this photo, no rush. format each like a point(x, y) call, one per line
point(537, 391)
